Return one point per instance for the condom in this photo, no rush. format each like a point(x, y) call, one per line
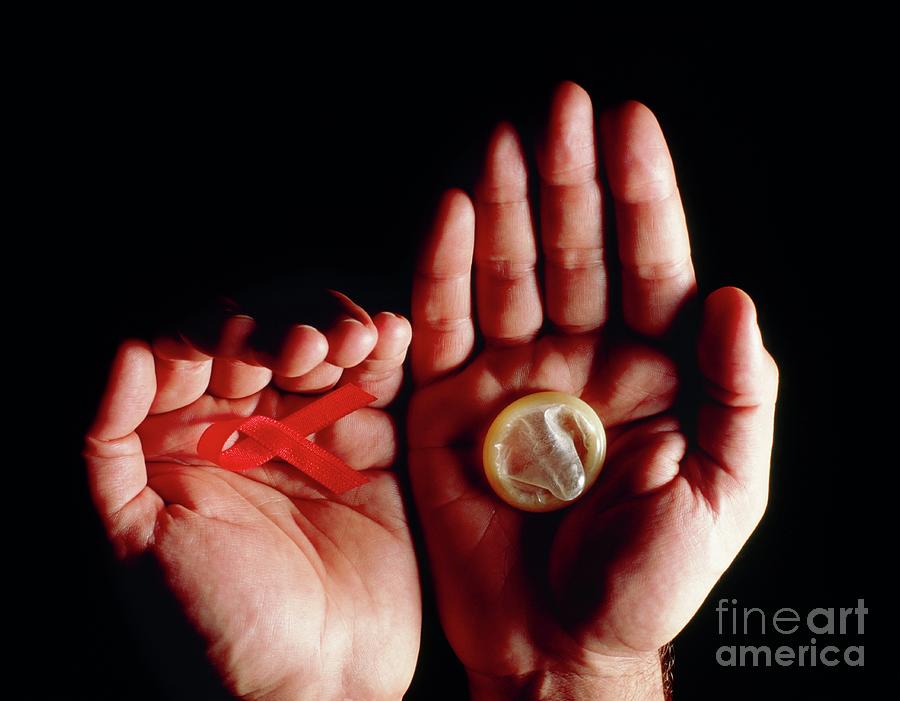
point(544, 451)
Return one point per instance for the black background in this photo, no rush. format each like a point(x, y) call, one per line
point(199, 172)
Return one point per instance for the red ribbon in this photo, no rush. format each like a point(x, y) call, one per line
point(267, 438)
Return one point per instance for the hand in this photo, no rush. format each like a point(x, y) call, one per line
point(581, 600)
point(297, 592)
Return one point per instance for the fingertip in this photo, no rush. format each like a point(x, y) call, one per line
point(134, 351)
point(449, 248)
point(730, 351)
point(236, 333)
point(171, 348)
point(568, 84)
point(381, 374)
point(456, 207)
point(394, 335)
point(350, 342)
point(731, 303)
point(182, 373)
point(635, 154)
point(351, 308)
point(625, 115)
point(232, 378)
point(568, 148)
point(748, 334)
point(505, 156)
point(303, 349)
point(312, 338)
point(320, 379)
point(570, 100)
point(352, 337)
point(129, 392)
point(134, 367)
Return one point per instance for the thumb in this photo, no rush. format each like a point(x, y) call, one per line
point(116, 471)
point(740, 386)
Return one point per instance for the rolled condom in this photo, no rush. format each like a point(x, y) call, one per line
point(544, 451)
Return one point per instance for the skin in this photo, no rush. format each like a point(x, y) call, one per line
point(572, 604)
point(577, 603)
point(249, 555)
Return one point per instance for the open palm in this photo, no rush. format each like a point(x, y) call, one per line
point(298, 593)
point(615, 576)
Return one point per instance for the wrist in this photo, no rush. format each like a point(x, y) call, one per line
point(637, 678)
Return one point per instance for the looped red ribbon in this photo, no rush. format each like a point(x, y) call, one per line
point(267, 438)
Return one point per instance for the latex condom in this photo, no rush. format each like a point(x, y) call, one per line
point(544, 451)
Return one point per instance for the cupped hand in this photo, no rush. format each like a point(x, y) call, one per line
point(583, 598)
point(298, 593)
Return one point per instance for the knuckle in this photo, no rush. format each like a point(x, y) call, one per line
point(506, 270)
point(573, 258)
point(662, 271)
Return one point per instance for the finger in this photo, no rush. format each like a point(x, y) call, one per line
point(303, 348)
point(117, 474)
point(346, 337)
point(353, 337)
point(282, 304)
point(509, 302)
point(321, 378)
point(235, 373)
point(363, 439)
point(381, 374)
point(350, 342)
point(571, 215)
point(182, 374)
point(654, 251)
point(735, 423)
point(234, 338)
point(443, 331)
point(203, 327)
point(235, 379)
